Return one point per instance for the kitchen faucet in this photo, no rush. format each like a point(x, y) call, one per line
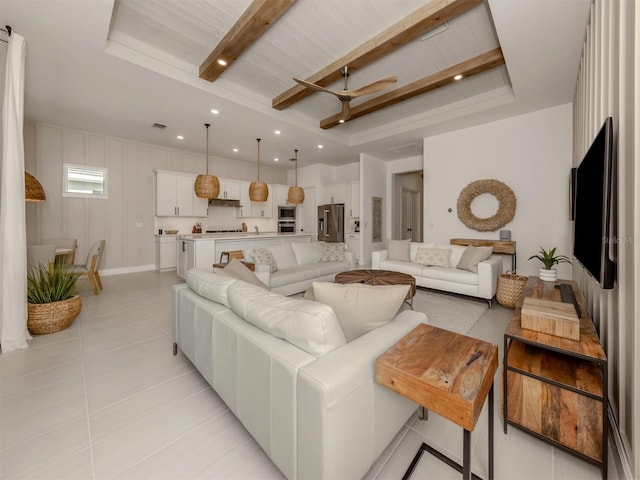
point(257, 232)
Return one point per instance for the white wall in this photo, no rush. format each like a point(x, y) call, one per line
point(373, 183)
point(530, 153)
point(126, 219)
point(609, 85)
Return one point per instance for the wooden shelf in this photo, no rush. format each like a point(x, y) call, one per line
point(556, 388)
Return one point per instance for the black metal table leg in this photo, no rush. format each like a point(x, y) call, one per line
point(466, 455)
point(490, 407)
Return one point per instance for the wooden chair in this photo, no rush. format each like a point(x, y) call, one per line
point(41, 255)
point(91, 267)
point(70, 243)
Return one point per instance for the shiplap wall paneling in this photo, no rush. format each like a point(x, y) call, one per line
point(49, 155)
point(116, 207)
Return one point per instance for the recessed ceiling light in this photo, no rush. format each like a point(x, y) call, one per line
point(222, 62)
point(341, 120)
point(277, 132)
point(180, 137)
point(320, 146)
point(458, 77)
point(276, 159)
point(214, 111)
point(235, 150)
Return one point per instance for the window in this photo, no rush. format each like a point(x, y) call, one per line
point(84, 181)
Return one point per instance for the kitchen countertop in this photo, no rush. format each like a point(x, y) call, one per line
point(238, 235)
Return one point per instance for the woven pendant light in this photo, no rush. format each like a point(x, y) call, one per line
point(33, 191)
point(296, 193)
point(207, 186)
point(258, 191)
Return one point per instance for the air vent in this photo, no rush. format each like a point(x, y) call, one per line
point(159, 125)
point(407, 147)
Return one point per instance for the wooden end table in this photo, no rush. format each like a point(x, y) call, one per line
point(447, 373)
point(379, 277)
point(251, 266)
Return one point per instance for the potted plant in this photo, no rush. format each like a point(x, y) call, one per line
point(52, 299)
point(549, 259)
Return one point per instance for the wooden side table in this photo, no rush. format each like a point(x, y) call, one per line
point(251, 266)
point(447, 373)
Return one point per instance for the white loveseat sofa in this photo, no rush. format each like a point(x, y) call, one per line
point(311, 400)
point(482, 284)
point(299, 264)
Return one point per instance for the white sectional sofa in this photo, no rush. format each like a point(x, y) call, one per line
point(482, 284)
point(299, 264)
point(283, 367)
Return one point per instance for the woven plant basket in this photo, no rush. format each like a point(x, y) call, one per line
point(510, 287)
point(296, 195)
point(52, 317)
point(258, 191)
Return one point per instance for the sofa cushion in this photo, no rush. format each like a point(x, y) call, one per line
point(414, 246)
point(361, 308)
point(438, 257)
point(283, 255)
point(263, 256)
point(472, 256)
point(236, 269)
point(447, 274)
point(327, 268)
point(399, 250)
point(409, 268)
point(456, 253)
point(307, 252)
point(292, 275)
point(209, 285)
point(310, 326)
point(332, 252)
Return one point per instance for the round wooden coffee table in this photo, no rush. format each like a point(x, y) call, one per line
point(379, 277)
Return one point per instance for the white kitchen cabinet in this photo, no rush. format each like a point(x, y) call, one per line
point(181, 257)
point(229, 189)
point(251, 209)
point(336, 193)
point(194, 254)
point(166, 252)
point(355, 199)
point(175, 196)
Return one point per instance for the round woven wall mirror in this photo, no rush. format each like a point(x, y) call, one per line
point(506, 205)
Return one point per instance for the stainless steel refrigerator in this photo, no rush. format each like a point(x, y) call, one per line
point(331, 222)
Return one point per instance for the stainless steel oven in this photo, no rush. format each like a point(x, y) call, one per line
point(286, 226)
point(286, 212)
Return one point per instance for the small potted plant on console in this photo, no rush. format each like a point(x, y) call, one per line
point(549, 259)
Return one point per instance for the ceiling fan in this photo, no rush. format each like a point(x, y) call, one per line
point(345, 95)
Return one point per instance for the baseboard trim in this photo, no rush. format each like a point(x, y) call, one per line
point(622, 454)
point(122, 270)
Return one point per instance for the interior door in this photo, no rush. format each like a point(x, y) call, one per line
point(411, 225)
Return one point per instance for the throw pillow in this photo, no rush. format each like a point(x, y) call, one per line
point(433, 257)
point(472, 256)
point(332, 252)
point(399, 250)
point(209, 285)
point(283, 256)
point(264, 257)
point(359, 307)
point(307, 252)
point(238, 270)
point(310, 326)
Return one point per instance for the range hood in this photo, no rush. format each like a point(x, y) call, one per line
point(221, 202)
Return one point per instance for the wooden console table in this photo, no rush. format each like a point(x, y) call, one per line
point(447, 373)
point(556, 388)
point(499, 246)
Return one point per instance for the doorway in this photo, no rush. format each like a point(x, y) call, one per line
point(407, 206)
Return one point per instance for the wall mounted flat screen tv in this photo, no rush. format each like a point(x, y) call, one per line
point(593, 204)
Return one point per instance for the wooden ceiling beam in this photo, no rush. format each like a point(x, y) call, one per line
point(253, 23)
point(421, 21)
point(473, 66)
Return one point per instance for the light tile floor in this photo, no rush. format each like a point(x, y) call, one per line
point(107, 399)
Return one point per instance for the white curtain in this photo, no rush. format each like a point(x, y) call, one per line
point(13, 248)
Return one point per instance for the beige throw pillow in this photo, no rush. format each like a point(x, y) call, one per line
point(332, 252)
point(238, 270)
point(265, 257)
point(399, 250)
point(433, 257)
point(472, 256)
point(359, 307)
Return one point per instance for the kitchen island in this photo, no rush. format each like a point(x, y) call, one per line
point(202, 250)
